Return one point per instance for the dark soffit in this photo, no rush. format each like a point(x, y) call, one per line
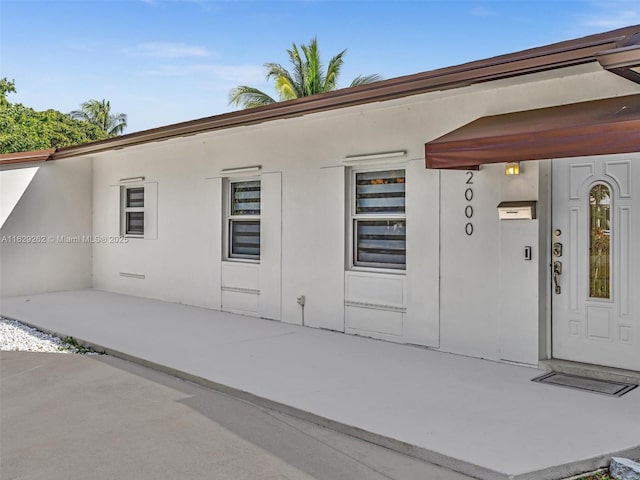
point(597, 127)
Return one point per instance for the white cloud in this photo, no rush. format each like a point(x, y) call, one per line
point(168, 50)
point(612, 14)
point(614, 20)
point(245, 74)
point(80, 46)
point(207, 5)
point(483, 12)
point(239, 73)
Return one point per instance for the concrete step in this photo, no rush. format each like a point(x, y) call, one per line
point(597, 372)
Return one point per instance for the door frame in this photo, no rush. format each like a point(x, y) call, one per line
point(548, 350)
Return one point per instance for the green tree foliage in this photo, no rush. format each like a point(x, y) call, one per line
point(6, 86)
point(98, 113)
point(23, 129)
point(307, 77)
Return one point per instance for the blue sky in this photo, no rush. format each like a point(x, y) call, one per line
point(166, 61)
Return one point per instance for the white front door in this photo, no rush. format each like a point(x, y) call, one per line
point(596, 260)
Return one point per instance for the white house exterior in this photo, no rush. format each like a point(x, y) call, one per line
point(321, 212)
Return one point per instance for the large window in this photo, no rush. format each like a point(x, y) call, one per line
point(133, 212)
point(378, 219)
point(244, 219)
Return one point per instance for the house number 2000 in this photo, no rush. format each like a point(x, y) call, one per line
point(468, 210)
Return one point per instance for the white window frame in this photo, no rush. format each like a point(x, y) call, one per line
point(125, 209)
point(230, 219)
point(354, 218)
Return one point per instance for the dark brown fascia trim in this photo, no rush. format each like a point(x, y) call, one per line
point(35, 156)
point(19, 161)
point(620, 57)
point(620, 60)
point(559, 55)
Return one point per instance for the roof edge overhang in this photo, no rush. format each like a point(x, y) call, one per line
point(26, 158)
point(598, 127)
point(624, 60)
point(559, 55)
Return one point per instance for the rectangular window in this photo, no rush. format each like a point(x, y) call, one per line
point(379, 222)
point(244, 219)
point(133, 211)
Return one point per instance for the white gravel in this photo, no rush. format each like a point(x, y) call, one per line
point(17, 337)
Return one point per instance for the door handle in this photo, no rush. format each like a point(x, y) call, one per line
point(557, 271)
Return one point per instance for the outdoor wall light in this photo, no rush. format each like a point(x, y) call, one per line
point(512, 168)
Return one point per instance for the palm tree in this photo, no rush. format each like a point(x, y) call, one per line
point(99, 113)
point(306, 78)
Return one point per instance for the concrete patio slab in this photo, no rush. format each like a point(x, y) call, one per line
point(481, 418)
point(101, 417)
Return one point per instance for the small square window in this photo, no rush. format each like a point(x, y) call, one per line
point(135, 197)
point(245, 238)
point(135, 223)
point(380, 192)
point(381, 243)
point(245, 198)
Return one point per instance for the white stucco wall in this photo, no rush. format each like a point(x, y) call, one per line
point(42, 248)
point(13, 184)
point(474, 295)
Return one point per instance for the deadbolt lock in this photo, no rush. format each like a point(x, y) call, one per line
point(556, 249)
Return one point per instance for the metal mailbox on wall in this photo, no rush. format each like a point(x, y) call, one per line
point(524, 210)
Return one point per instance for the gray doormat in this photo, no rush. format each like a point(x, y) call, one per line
point(604, 387)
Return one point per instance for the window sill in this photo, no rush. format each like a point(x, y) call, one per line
point(242, 260)
point(389, 271)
